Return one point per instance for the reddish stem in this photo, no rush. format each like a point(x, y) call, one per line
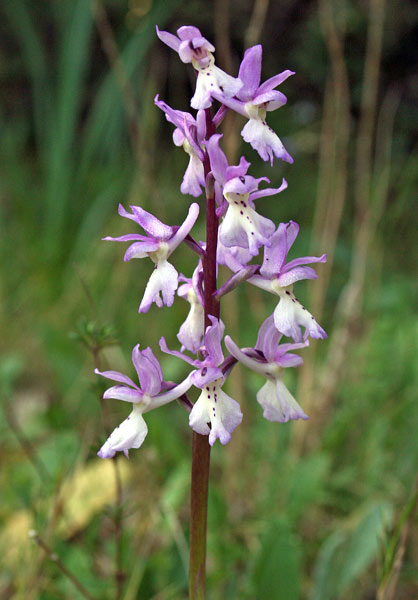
point(200, 446)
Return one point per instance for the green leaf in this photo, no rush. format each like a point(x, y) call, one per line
point(277, 571)
point(348, 552)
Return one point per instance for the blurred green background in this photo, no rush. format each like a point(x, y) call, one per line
point(319, 510)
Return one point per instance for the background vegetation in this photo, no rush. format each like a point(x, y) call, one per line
point(317, 511)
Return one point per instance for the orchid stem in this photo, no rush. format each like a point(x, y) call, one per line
point(200, 445)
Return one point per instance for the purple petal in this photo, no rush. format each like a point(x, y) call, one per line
point(296, 274)
point(268, 339)
point(273, 100)
point(262, 332)
point(173, 116)
point(205, 375)
point(291, 233)
point(148, 369)
point(188, 32)
point(305, 260)
point(233, 103)
point(153, 226)
point(237, 278)
point(250, 72)
point(121, 392)
point(141, 249)
point(213, 337)
point(168, 38)
point(275, 255)
point(233, 258)
point(237, 171)
point(218, 160)
point(126, 238)
point(190, 129)
point(164, 348)
point(185, 228)
point(169, 395)
point(116, 376)
point(243, 185)
point(268, 191)
point(274, 81)
point(289, 360)
point(257, 365)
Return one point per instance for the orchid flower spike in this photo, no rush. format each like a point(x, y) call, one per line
point(278, 276)
point(242, 225)
point(269, 358)
point(253, 101)
point(193, 48)
point(189, 134)
point(152, 392)
point(161, 240)
point(213, 406)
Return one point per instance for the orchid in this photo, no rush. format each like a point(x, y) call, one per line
point(278, 276)
point(242, 225)
point(269, 358)
point(235, 233)
point(152, 392)
point(161, 240)
point(253, 101)
point(213, 405)
point(189, 134)
point(193, 48)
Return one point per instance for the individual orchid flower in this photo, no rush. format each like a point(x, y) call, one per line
point(192, 330)
point(242, 226)
point(269, 358)
point(161, 240)
point(253, 101)
point(214, 413)
point(278, 276)
point(193, 48)
point(152, 392)
point(189, 134)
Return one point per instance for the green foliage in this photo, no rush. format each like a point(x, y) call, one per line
point(278, 569)
point(349, 551)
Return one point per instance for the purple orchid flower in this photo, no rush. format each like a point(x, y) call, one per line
point(213, 405)
point(152, 393)
point(253, 101)
point(161, 240)
point(192, 330)
point(242, 225)
point(193, 48)
point(278, 276)
point(270, 359)
point(189, 134)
